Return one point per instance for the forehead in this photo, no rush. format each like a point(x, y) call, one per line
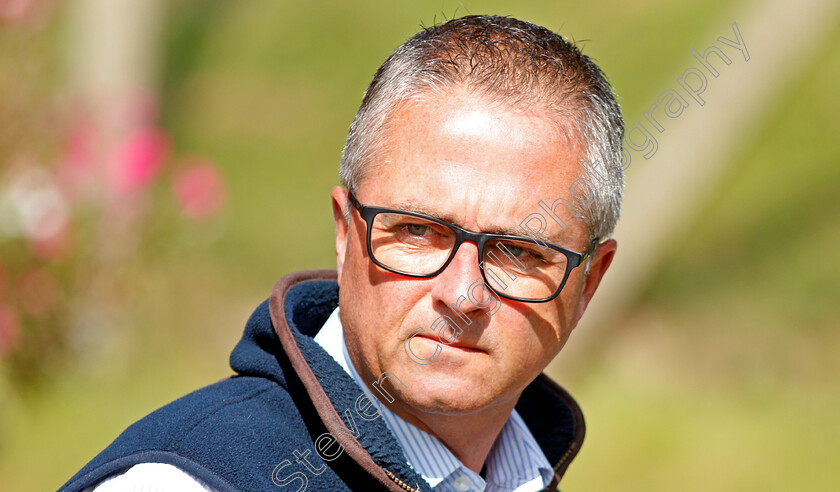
point(469, 159)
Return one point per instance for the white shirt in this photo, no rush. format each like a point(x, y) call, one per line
point(151, 477)
point(515, 462)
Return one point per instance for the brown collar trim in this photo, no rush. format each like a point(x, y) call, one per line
point(322, 403)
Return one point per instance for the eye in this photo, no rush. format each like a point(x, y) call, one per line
point(515, 250)
point(523, 252)
point(417, 229)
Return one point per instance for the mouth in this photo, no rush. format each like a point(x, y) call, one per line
point(454, 345)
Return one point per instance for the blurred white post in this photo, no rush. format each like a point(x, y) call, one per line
point(113, 58)
point(113, 51)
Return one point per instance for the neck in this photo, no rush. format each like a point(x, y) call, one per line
point(469, 437)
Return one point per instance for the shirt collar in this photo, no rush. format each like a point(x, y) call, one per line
point(515, 462)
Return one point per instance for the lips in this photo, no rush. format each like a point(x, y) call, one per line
point(456, 344)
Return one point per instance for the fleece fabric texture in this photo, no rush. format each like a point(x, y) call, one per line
point(253, 431)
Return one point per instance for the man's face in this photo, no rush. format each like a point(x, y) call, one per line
point(483, 169)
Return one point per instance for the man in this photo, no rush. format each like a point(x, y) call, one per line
point(482, 169)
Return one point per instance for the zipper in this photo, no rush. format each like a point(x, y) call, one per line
point(560, 464)
point(402, 484)
point(565, 456)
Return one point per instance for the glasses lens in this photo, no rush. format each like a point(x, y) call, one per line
point(410, 244)
point(523, 269)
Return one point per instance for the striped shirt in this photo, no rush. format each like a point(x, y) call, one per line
point(515, 463)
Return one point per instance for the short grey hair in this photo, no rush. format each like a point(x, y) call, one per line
point(516, 64)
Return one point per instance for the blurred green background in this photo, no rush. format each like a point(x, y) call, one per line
point(722, 373)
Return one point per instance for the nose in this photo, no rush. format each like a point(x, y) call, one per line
point(452, 285)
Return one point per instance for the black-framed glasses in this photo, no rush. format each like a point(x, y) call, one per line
point(515, 267)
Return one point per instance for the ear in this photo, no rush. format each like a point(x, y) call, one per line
point(601, 260)
point(339, 206)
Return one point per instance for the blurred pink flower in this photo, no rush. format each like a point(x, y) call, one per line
point(139, 160)
point(76, 171)
point(16, 10)
point(199, 189)
point(30, 13)
point(9, 330)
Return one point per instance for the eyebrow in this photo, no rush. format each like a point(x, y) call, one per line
point(507, 231)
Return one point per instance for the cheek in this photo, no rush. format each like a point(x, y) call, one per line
point(357, 297)
point(353, 280)
point(376, 301)
point(535, 332)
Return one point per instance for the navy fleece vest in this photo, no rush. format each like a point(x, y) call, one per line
point(258, 430)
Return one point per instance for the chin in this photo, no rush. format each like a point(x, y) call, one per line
point(445, 403)
point(445, 392)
